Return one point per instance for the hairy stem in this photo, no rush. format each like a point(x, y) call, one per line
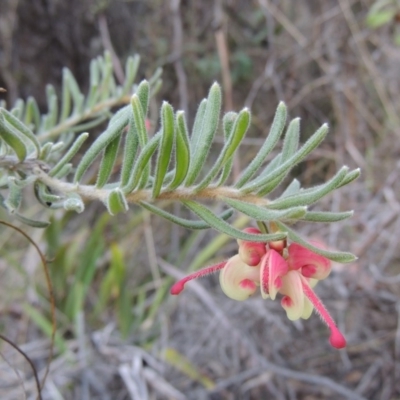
point(89, 192)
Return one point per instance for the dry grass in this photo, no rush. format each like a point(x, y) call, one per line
point(327, 65)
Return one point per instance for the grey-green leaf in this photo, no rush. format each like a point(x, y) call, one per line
point(310, 196)
point(275, 133)
point(142, 164)
point(11, 136)
point(340, 257)
point(69, 154)
point(165, 148)
point(220, 225)
point(326, 216)
point(186, 223)
point(182, 151)
point(107, 162)
point(208, 128)
point(116, 202)
point(306, 149)
point(22, 128)
point(239, 129)
point(264, 214)
point(115, 127)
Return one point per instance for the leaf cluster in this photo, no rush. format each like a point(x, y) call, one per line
point(134, 166)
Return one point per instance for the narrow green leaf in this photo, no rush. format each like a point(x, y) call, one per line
point(31, 222)
point(182, 151)
point(32, 113)
point(74, 203)
point(291, 141)
point(107, 162)
point(42, 194)
point(306, 198)
point(116, 202)
point(64, 171)
point(139, 120)
point(165, 148)
point(18, 109)
point(12, 138)
point(70, 153)
point(350, 177)
point(306, 149)
point(293, 188)
point(115, 127)
point(155, 78)
point(66, 96)
point(208, 129)
point(275, 133)
point(239, 129)
point(143, 93)
point(326, 216)
point(186, 223)
point(228, 121)
point(77, 96)
point(264, 214)
point(197, 125)
point(52, 104)
point(94, 92)
point(272, 185)
point(14, 197)
point(131, 68)
point(340, 257)
point(130, 150)
point(220, 225)
point(142, 164)
point(22, 128)
point(90, 124)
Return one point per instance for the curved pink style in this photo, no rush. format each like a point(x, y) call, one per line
point(180, 285)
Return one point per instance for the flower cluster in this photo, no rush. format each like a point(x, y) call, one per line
point(274, 267)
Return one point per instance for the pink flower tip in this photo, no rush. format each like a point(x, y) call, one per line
point(177, 288)
point(337, 339)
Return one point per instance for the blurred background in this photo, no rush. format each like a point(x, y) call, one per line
point(120, 334)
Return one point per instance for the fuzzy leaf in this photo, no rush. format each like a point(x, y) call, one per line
point(139, 120)
point(14, 197)
point(204, 140)
point(239, 129)
point(197, 125)
point(69, 154)
point(114, 129)
point(116, 202)
point(74, 203)
point(220, 225)
point(291, 141)
point(143, 93)
point(22, 128)
point(311, 196)
point(131, 69)
point(326, 216)
point(293, 188)
point(165, 148)
point(142, 163)
point(350, 177)
point(340, 257)
point(66, 96)
point(11, 136)
point(182, 151)
point(275, 133)
point(186, 223)
point(32, 113)
point(307, 148)
point(107, 162)
point(130, 150)
point(264, 214)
